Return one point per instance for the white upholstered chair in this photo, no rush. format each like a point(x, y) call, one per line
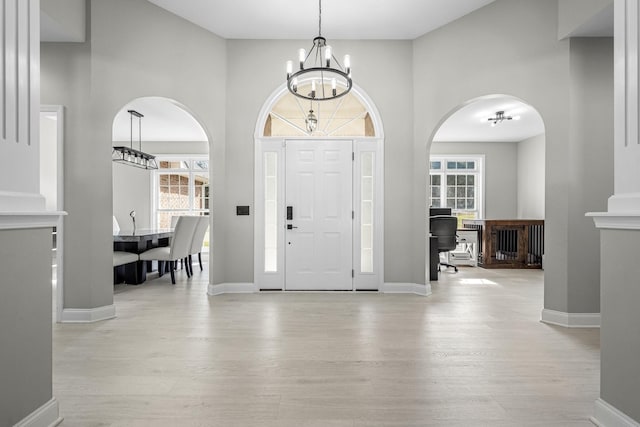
point(116, 226)
point(198, 239)
point(123, 258)
point(179, 247)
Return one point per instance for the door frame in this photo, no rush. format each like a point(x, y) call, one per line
point(58, 111)
point(363, 147)
point(275, 280)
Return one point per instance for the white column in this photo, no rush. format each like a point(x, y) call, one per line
point(25, 227)
point(627, 107)
point(619, 234)
point(20, 106)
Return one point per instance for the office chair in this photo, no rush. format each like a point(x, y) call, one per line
point(444, 228)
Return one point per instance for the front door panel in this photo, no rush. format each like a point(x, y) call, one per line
point(319, 233)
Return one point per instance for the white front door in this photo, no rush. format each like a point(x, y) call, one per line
point(318, 236)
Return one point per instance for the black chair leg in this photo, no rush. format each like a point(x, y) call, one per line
point(190, 264)
point(173, 277)
point(200, 260)
point(186, 267)
point(160, 268)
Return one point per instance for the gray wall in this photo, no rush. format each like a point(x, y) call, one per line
point(572, 14)
point(620, 345)
point(135, 49)
point(500, 166)
point(144, 54)
point(589, 165)
point(132, 191)
point(248, 90)
point(25, 316)
point(531, 180)
point(526, 61)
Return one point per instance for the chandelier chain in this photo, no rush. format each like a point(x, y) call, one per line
point(326, 71)
point(320, 18)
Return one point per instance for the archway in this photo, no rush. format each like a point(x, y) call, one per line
point(349, 131)
point(486, 161)
point(180, 186)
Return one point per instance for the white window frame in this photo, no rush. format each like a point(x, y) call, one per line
point(479, 160)
point(155, 184)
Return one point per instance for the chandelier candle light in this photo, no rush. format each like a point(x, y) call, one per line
point(129, 155)
point(320, 77)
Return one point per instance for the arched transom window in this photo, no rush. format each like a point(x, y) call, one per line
point(345, 116)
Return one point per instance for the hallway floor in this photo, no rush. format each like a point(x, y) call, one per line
point(472, 354)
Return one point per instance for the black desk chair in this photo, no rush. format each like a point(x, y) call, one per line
point(444, 228)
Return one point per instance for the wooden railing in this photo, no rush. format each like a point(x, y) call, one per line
point(511, 243)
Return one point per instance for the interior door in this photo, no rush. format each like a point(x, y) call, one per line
point(319, 215)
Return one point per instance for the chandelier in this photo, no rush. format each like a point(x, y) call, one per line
point(500, 117)
point(129, 155)
point(320, 76)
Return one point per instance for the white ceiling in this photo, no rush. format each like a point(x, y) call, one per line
point(163, 121)
point(470, 124)
point(341, 19)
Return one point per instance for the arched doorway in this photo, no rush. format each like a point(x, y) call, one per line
point(487, 161)
point(319, 194)
point(180, 185)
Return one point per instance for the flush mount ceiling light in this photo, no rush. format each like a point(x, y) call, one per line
point(500, 117)
point(320, 77)
point(129, 155)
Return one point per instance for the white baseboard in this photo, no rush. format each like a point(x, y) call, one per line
point(609, 416)
point(406, 288)
point(231, 288)
point(570, 320)
point(88, 315)
point(47, 415)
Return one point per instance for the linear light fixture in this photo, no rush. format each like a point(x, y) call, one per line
point(129, 155)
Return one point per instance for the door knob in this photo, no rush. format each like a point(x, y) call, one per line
point(290, 227)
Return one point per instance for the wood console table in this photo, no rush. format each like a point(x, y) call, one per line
point(510, 243)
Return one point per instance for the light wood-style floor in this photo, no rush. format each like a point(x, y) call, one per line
point(472, 354)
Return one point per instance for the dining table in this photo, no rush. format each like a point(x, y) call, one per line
point(138, 241)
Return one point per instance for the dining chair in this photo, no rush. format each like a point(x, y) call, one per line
point(198, 240)
point(174, 221)
point(179, 247)
point(116, 226)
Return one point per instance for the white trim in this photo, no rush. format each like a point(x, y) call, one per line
point(406, 288)
point(59, 112)
point(570, 320)
point(276, 280)
point(616, 221)
point(231, 288)
point(88, 315)
point(48, 415)
point(22, 220)
point(607, 415)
